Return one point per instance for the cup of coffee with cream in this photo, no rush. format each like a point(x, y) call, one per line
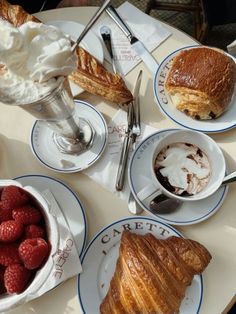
point(185, 165)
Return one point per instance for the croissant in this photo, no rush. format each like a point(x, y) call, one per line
point(15, 14)
point(90, 74)
point(152, 275)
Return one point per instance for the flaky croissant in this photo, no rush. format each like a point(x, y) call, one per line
point(90, 74)
point(152, 275)
point(15, 14)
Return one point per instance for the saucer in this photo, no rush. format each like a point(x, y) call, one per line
point(99, 262)
point(90, 43)
point(74, 213)
point(48, 154)
point(224, 123)
point(139, 174)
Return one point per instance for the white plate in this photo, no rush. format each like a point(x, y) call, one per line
point(68, 202)
point(99, 261)
point(223, 123)
point(90, 43)
point(139, 176)
point(48, 154)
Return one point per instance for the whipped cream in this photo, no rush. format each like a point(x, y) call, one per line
point(183, 168)
point(36, 58)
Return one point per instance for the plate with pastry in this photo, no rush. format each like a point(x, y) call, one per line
point(139, 265)
point(91, 43)
point(195, 87)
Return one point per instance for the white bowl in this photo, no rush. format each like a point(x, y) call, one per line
point(8, 301)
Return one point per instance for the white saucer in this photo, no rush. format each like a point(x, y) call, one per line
point(90, 43)
point(48, 154)
point(68, 202)
point(139, 175)
point(99, 261)
point(224, 123)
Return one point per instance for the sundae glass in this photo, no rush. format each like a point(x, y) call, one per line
point(35, 60)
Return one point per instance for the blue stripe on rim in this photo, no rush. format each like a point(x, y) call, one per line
point(77, 169)
point(142, 205)
point(76, 197)
point(166, 113)
point(121, 220)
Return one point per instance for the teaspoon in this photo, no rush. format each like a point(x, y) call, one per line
point(164, 205)
point(106, 36)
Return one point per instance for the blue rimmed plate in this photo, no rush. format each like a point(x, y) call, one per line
point(139, 174)
point(99, 261)
point(69, 204)
point(224, 123)
point(46, 151)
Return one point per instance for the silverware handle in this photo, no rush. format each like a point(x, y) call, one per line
point(111, 11)
point(229, 178)
point(123, 163)
point(106, 36)
point(90, 23)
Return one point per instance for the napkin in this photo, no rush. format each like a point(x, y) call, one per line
point(66, 262)
point(147, 29)
point(104, 171)
point(232, 48)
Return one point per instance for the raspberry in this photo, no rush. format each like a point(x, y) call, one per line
point(33, 252)
point(26, 215)
point(16, 278)
point(5, 213)
point(10, 230)
point(13, 196)
point(9, 254)
point(33, 231)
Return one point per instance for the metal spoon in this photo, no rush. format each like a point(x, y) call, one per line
point(90, 24)
point(106, 36)
point(163, 204)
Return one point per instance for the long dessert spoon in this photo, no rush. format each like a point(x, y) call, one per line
point(90, 24)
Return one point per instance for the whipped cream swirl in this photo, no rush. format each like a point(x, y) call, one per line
point(34, 59)
point(183, 168)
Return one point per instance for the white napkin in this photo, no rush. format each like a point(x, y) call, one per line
point(66, 262)
point(147, 29)
point(232, 48)
point(104, 171)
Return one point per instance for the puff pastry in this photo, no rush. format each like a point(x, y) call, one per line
point(90, 74)
point(152, 275)
point(15, 14)
point(94, 78)
point(201, 82)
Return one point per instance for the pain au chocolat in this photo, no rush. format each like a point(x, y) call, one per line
point(152, 275)
point(90, 74)
point(201, 82)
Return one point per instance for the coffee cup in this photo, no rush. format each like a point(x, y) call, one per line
point(190, 138)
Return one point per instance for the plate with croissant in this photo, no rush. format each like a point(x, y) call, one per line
point(195, 87)
point(140, 265)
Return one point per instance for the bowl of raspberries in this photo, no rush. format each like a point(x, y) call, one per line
point(28, 240)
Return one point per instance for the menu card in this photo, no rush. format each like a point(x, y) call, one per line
point(104, 171)
point(147, 29)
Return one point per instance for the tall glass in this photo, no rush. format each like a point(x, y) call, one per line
point(71, 134)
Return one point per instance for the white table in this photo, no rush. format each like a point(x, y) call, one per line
point(218, 233)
